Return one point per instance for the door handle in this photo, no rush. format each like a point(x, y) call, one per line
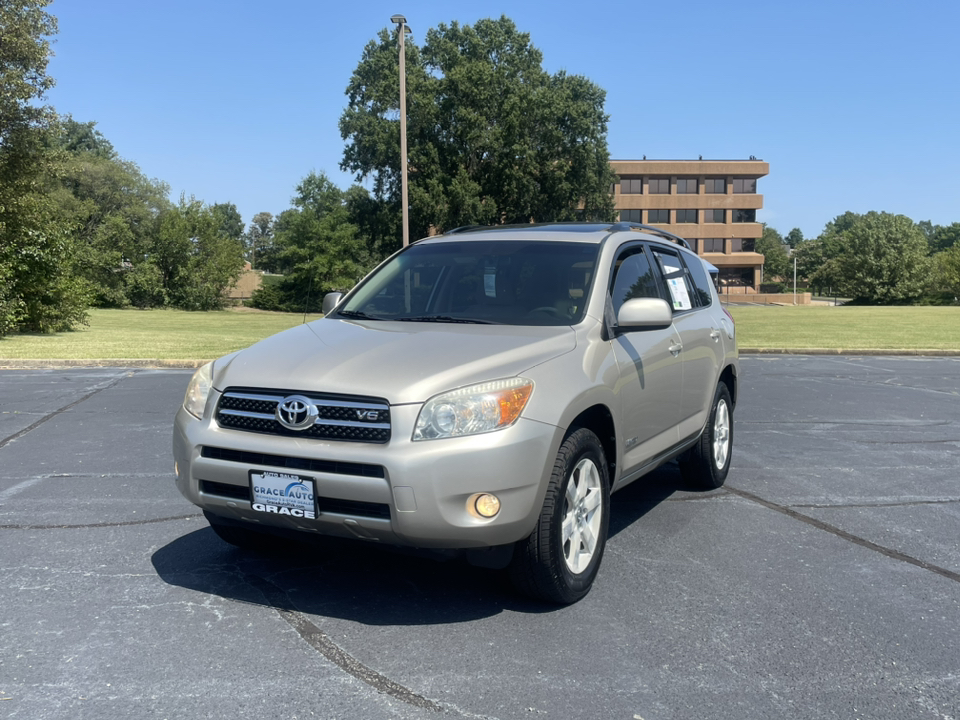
point(675, 349)
point(714, 334)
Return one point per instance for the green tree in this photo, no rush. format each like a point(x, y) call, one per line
point(229, 220)
point(493, 138)
point(794, 238)
point(884, 259)
point(196, 263)
point(109, 207)
point(323, 250)
point(258, 243)
point(948, 271)
point(38, 288)
point(946, 237)
point(775, 260)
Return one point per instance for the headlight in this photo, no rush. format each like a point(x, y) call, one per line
point(475, 409)
point(198, 390)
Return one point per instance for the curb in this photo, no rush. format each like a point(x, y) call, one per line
point(850, 351)
point(18, 364)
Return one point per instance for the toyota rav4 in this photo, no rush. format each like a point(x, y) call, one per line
point(483, 391)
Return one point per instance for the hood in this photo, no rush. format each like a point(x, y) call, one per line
point(400, 361)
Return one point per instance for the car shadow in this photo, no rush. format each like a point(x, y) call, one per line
point(372, 584)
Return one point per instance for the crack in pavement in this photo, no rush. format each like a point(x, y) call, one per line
point(904, 503)
point(277, 599)
point(844, 535)
point(127, 523)
point(96, 389)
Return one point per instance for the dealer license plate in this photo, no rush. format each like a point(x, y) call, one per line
point(283, 494)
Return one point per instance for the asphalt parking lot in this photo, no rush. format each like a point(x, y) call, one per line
point(822, 582)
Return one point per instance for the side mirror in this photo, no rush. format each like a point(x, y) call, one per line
point(644, 314)
point(330, 301)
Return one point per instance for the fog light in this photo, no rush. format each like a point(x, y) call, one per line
point(486, 505)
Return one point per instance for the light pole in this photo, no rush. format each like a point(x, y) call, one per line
point(402, 30)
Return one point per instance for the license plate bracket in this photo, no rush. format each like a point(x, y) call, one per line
point(279, 493)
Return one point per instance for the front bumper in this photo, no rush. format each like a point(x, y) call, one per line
point(402, 492)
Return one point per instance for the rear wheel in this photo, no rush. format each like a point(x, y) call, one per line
point(708, 462)
point(560, 559)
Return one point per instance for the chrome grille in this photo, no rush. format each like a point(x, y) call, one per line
point(340, 417)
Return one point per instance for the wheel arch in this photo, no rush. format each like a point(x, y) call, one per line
point(729, 378)
point(599, 420)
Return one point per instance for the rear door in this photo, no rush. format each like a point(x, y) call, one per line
point(693, 320)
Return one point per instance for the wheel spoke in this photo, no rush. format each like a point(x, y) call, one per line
point(571, 493)
point(592, 501)
point(589, 540)
point(568, 529)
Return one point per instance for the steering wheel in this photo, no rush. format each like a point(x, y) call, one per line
point(548, 309)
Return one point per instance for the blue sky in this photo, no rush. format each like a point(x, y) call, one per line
point(855, 104)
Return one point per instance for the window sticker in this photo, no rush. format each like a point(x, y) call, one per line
point(678, 291)
point(490, 282)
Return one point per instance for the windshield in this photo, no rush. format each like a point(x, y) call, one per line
point(503, 282)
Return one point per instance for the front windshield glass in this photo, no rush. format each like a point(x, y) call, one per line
point(502, 282)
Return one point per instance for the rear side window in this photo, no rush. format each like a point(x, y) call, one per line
point(701, 283)
point(678, 284)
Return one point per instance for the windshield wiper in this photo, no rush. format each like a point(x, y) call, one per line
point(356, 314)
point(447, 319)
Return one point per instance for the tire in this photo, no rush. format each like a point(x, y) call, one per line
point(242, 537)
point(706, 465)
point(559, 561)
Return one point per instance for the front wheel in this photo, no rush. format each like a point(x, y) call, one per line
point(560, 559)
point(708, 462)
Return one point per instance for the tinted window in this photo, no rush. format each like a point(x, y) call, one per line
point(631, 186)
point(687, 186)
point(633, 278)
point(678, 284)
point(716, 186)
point(687, 216)
point(658, 216)
point(701, 284)
point(659, 186)
point(631, 216)
point(512, 283)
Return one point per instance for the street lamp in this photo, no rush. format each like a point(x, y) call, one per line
point(402, 29)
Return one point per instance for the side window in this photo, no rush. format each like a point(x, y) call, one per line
point(701, 282)
point(678, 284)
point(633, 278)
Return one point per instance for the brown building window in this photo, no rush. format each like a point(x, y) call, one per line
point(743, 245)
point(736, 277)
point(686, 186)
point(712, 245)
point(687, 216)
point(716, 186)
point(715, 216)
point(744, 185)
point(659, 186)
point(631, 216)
point(744, 216)
point(658, 216)
point(631, 186)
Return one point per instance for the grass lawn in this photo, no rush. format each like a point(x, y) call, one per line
point(152, 334)
point(177, 335)
point(848, 327)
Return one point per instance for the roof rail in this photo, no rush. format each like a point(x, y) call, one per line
point(466, 228)
point(627, 226)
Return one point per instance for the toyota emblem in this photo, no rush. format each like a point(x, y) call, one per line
point(297, 412)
